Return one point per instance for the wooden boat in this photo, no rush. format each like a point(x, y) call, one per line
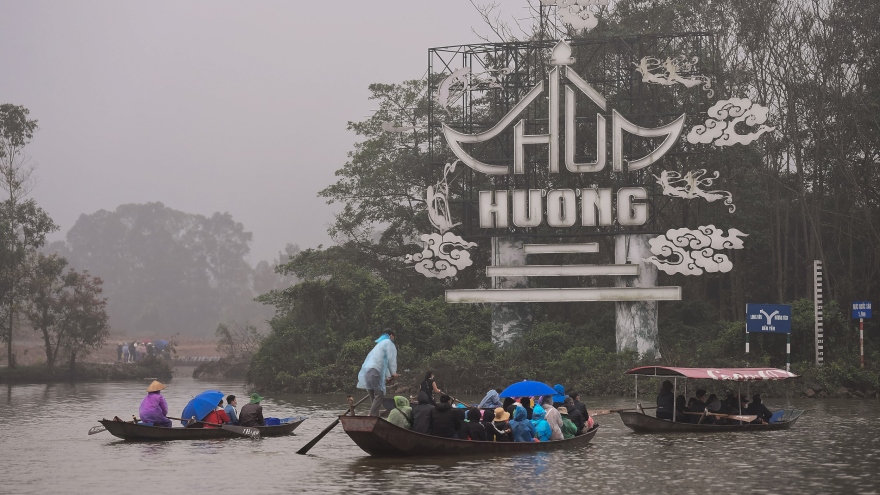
point(131, 431)
point(378, 437)
point(639, 422)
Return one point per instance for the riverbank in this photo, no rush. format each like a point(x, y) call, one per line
point(87, 372)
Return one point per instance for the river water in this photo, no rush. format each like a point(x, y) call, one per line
point(44, 448)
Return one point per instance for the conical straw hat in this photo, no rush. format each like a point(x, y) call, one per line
point(155, 386)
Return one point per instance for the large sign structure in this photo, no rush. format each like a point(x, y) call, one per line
point(557, 168)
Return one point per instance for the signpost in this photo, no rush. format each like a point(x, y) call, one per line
point(861, 310)
point(770, 318)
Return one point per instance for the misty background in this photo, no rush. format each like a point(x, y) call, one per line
point(181, 144)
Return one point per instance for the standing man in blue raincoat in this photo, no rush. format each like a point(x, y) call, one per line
point(379, 368)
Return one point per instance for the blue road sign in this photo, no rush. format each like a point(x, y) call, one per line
point(768, 318)
point(861, 309)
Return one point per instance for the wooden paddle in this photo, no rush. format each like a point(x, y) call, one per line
point(307, 447)
point(100, 428)
point(609, 411)
point(244, 431)
point(736, 417)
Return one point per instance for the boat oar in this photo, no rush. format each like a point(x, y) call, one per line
point(609, 411)
point(307, 447)
point(243, 431)
point(100, 428)
point(746, 418)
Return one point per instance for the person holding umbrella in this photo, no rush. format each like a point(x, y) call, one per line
point(251, 414)
point(216, 417)
point(379, 368)
point(153, 408)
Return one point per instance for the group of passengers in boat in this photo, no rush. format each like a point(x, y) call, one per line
point(154, 411)
point(553, 417)
point(705, 409)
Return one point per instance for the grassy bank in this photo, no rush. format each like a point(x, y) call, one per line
point(87, 372)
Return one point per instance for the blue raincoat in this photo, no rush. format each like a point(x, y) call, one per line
point(490, 400)
point(383, 358)
point(522, 429)
point(542, 427)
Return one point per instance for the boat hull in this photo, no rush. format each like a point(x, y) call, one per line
point(642, 423)
point(378, 437)
point(131, 431)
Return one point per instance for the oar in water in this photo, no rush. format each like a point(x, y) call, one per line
point(100, 428)
point(747, 418)
point(307, 447)
point(96, 429)
point(609, 411)
point(243, 431)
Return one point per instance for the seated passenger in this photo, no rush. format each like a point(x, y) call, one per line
point(507, 404)
point(543, 432)
point(713, 405)
point(216, 418)
point(423, 414)
point(553, 418)
point(665, 401)
point(500, 426)
point(460, 411)
point(559, 398)
point(528, 404)
point(473, 428)
point(730, 405)
point(153, 408)
point(698, 405)
point(491, 400)
point(487, 419)
point(681, 410)
point(230, 409)
point(444, 421)
point(759, 409)
point(521, 428)
point(588, 420)
point(252, 412)
point(574, 415)
point(402, 414)
point(568, 427)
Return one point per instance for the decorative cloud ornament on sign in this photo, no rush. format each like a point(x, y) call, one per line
point(720, 131)
point(693, 252)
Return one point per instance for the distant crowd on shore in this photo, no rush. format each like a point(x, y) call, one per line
point(134, 352)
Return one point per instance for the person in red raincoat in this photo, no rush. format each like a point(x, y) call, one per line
point(217, 416)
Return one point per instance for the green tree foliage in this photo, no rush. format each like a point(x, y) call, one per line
point(66, 308)
point(23, 224)
point(166, 270)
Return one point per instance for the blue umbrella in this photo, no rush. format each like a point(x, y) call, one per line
point(527, 388)
point(201, 405)
point(160, 344)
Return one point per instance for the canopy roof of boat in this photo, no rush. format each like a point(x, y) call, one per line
point(734, 374)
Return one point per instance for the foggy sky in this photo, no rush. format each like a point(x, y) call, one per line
point(207, 105)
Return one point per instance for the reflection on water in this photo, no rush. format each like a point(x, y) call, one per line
point(43, 434)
